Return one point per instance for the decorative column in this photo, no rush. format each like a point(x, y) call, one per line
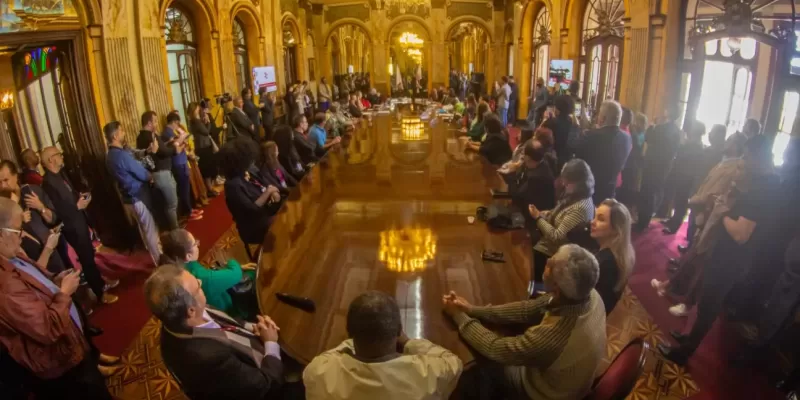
point(154, 74)
point(635, 50)
point(118, 55)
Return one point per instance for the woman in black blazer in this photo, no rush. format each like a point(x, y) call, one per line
point(494, 147)
point(250, 203)
point(201, 128)
point(272, 170)
point(287, 153)
point(611, 228)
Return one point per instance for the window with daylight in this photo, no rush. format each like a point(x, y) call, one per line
point(791, 100)
point(184, 69)
point(724, 95)
point(541, 47)
point(240, 54)
point(601, 53)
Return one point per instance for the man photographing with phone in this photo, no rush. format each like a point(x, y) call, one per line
point(70, 205)
point(39, 217)
point(40, 326)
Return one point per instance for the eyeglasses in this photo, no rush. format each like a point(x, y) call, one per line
point(17, 231)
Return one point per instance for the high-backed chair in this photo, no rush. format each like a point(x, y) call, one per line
point(620, 377)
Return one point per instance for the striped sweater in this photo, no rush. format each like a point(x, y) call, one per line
point(556, 224)
point(556, 359)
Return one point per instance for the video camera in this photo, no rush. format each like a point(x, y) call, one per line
point(221, 99)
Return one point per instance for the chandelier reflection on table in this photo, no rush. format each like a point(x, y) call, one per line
point(407, 249)
point(412, 129)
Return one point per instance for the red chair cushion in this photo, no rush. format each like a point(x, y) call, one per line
point(621, 375)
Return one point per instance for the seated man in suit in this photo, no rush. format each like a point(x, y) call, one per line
point(558, 355)
point(379, 361)
point(212, 355)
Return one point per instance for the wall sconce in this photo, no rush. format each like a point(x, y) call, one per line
point(7, 100)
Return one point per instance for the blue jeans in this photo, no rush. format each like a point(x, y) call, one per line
point(165, 184)
point(503, 115)
point(184, 187)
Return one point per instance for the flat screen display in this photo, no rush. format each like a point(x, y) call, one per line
point(560, 73)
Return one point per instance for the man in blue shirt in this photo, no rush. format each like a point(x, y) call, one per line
point(134, 184)
point(180, 164)
point(318, 136)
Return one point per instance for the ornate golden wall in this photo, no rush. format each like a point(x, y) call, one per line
point(126, 44)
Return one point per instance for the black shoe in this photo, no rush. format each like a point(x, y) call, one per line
point(94, 331)
point(674, 261)
point(679, 337)
point(212, 194)
point(683, 249)
point(669, 231)
point(672, 268)
point(674, 354)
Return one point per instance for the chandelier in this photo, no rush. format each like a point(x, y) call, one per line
point(407, 249)
point(410, 39)
point(412, 6)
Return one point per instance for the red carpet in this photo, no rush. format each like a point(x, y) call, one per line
point(710, 366)
point(123, 320)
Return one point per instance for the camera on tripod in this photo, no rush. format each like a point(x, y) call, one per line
point(221, 99)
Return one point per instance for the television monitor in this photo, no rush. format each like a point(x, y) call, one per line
point(560, 73)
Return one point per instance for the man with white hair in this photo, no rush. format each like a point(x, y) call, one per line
point(557, 356)
point(605, 149)
point(41, 328)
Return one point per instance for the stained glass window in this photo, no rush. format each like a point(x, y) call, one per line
point(541, 47)
point(603, 18)
point(603, 32)
point(240, 54)
point(38, 62)
point(182, 61)
point(178, 27)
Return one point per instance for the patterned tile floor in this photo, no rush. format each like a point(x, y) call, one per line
point(145, 377)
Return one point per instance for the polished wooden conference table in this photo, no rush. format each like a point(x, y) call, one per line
point(387, 211)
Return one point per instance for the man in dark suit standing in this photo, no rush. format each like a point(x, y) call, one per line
point(251, 109)
point(70, 206)
point(513, 100)
point(241, 125)
point(198, 343)
point(662, 142)
point(605, 149)
point(267, 112)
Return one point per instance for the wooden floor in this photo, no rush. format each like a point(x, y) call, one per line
point(145, 377)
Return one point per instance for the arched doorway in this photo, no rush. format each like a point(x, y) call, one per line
point(409, 58)
point(240, 56)
point(540, 48)
point(468, 45)
point(748, 67)
point(601, 51)
point(291, 43)
point(182, 62)
point(351, 49)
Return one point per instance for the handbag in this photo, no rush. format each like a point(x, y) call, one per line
point(501, 217)
point(243, 295)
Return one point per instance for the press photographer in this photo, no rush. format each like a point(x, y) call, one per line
point(205, 131)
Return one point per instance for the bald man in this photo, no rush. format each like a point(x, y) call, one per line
point(30, 168)
point(70, 205)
